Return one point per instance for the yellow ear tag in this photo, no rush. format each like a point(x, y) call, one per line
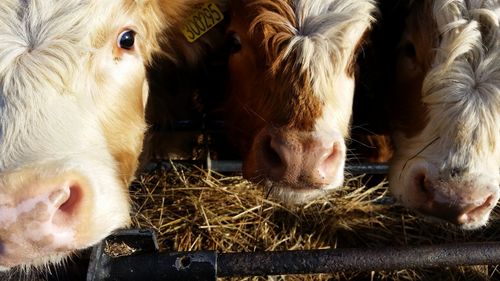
point(201, 21)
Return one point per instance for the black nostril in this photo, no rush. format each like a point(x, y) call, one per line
point(334, 155)
point(421, 183)
point(455, 172)
point(71, 203)
point(270, 154)
point(424, 186)
point(488, 202)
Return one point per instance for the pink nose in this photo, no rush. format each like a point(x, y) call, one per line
point(460, 202)
point(299, 158)
point(40, 220)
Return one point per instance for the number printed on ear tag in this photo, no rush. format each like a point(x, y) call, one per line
point(201, 21)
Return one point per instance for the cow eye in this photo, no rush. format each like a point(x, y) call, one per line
point(409, 50)
point(407, 57)
point(233, 43)
point(126, 40)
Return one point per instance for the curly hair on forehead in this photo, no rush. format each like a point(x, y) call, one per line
point(474, 22)
point(466, 71)
point(306, 31)
point(272, 23)
point(469, 35)
point(309, 43)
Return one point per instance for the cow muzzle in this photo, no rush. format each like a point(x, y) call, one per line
point(39, 216)
point(466, 201)
point(302, 161)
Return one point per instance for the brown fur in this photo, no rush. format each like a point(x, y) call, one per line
point(374, 148)
point(125, 129)
point(352, 67)
point(409, 114)
point(266, 86)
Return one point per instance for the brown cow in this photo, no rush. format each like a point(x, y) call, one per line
point(291, 85)
point(72, 90)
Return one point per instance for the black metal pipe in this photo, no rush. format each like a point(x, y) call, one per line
point(226, 166)
point(367, 168)
point(147, 263)
point(175, 266)
point(337, 260)
point(234, 166)
point(188, 125)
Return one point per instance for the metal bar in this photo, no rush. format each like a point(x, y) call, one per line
point(225, 166)
point(234, 166)
point(188, 125)
point(328, 261)
point(191, 266)
point(367, 168)
point(133, 254)
point(147, 263)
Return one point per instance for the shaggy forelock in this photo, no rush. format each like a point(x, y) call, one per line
point(462, 89)
point(309, 32)
point(43, 38)
point(310, 44)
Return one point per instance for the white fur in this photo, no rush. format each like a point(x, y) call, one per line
point(462, 93)
point(328, 33)
point(330, 127)
point(326, 37)
point(56, 87)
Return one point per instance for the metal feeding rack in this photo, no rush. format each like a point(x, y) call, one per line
point(132, 255)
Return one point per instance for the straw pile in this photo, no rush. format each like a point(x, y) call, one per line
point(193, 209)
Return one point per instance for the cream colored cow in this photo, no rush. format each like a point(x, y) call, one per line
point(72, 90)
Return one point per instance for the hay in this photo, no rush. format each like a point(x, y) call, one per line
point(192, 209)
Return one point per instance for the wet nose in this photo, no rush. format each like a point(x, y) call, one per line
point(301, 158)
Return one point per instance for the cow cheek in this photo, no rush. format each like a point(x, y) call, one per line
point(244, 108)
point(124, 128)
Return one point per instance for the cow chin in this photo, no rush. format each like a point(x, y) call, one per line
point(459, 196)
point(36, 262)
point(294, 194)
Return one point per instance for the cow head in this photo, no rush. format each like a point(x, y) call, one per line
point(291, 84)
point(72, 90)
point(446, 107)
